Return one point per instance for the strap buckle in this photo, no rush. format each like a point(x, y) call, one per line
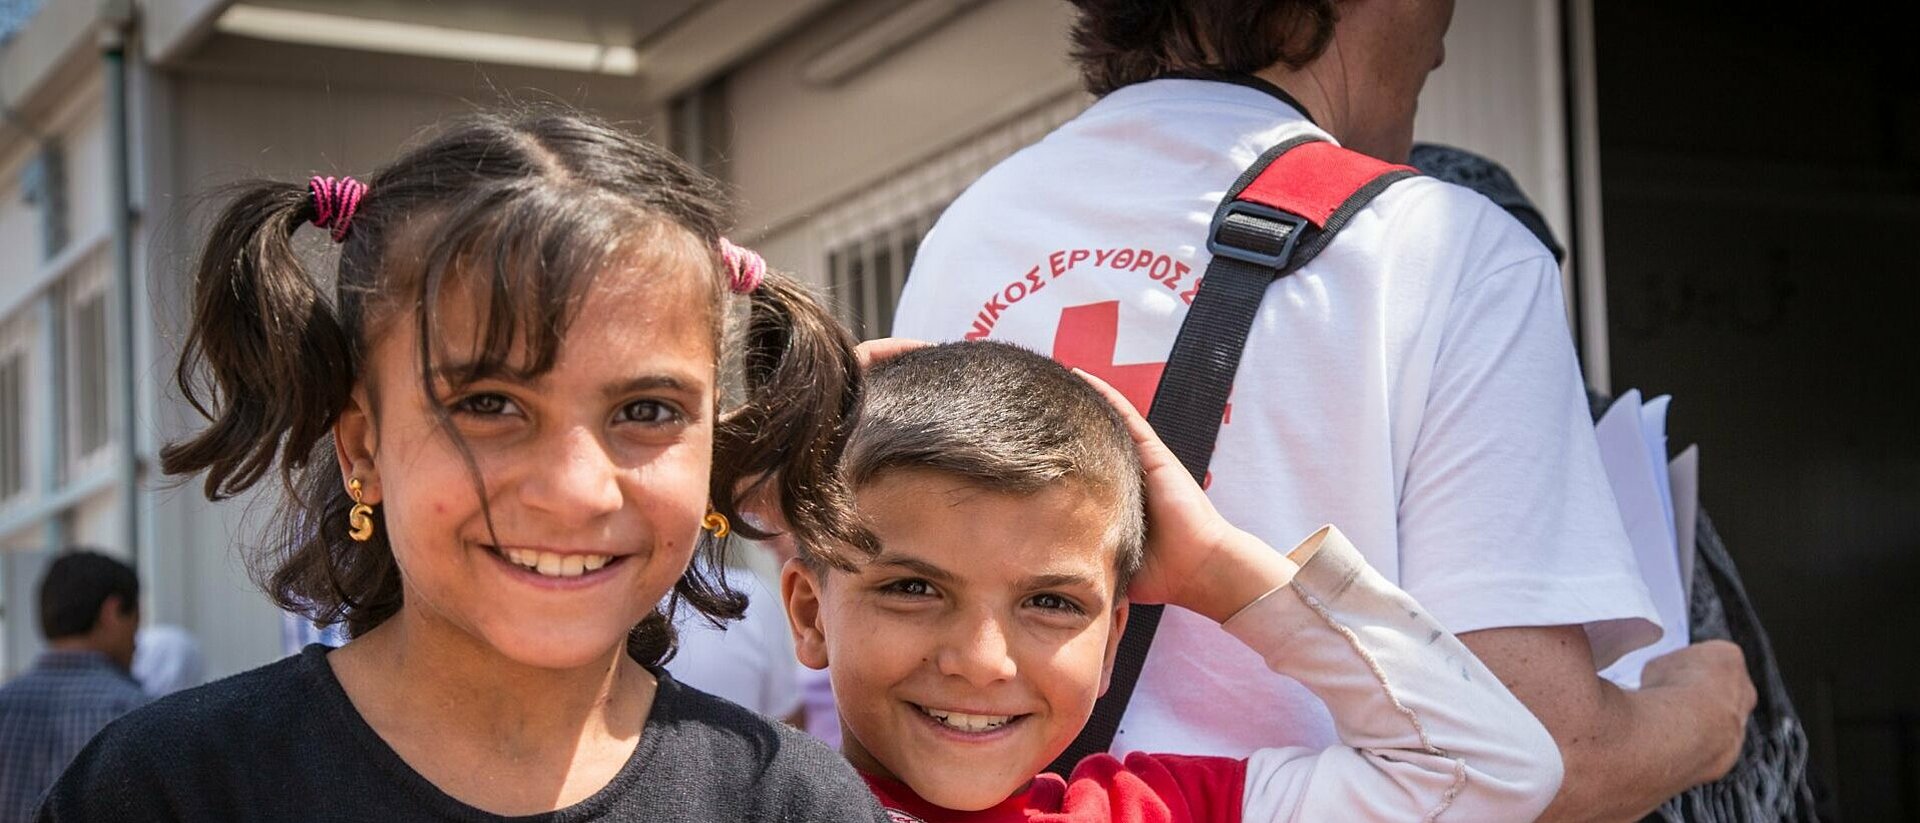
point(1249, 232)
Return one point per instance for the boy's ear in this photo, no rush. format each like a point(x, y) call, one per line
point(354, 444)
point(800, 590)
point(112, 612)
point(1113, 643)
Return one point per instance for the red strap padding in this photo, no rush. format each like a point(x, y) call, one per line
point(1313, 179)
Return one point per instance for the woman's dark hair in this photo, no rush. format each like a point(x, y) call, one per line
point(1121, 42)
point(522, 210)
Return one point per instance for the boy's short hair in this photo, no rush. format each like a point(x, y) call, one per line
point(1121, 42)
point(76, 585)
point(1004, 419)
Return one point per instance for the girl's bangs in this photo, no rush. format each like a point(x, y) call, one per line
point(526, 256)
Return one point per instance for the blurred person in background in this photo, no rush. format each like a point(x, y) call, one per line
point(749, 661)
point(297, 633)
point(817, 713)
point(167, 659)
point(813, 708)
point(89, 613)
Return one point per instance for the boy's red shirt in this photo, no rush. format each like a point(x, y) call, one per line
point(1145, 788)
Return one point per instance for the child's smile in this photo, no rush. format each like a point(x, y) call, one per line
point(970, 651)
point(970, 723)
point(563, 569)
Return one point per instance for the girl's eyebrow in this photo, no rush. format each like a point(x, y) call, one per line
point(651, 382)
point(459, 374)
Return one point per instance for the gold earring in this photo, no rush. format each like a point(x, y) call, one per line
point(360, 517)
point(717, 523)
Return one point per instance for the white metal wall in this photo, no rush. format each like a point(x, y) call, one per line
point(930, 183)
point(1501, 94)
point(804, 152)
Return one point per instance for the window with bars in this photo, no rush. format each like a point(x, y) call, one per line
point(867, 274)
point(87, 375)
point(13, 434)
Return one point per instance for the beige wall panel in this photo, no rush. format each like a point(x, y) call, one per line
point(85, 139)
point(799, 147)
point(96, 525)
point(1500, 94)
point(801, 247)
point(29, 538)
point(173, 27)
point(237, 626)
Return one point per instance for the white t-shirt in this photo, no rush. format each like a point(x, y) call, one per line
point(1414, 385)
point(750, 663)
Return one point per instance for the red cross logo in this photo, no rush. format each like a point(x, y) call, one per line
point(1085, 341)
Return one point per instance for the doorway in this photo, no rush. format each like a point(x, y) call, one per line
point(1760, 191)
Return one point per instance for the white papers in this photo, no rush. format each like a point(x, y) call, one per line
point(1633, 449)
point(1684, 478)
point(1653, 426)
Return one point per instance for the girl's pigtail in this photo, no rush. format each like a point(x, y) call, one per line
point(802, 394)
point(265, 360)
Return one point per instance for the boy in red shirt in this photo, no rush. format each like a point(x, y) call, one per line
point(1008, 499)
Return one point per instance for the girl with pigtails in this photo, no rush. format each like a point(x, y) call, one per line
point(503, 440)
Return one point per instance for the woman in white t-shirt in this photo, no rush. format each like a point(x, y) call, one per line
point(1414, 382)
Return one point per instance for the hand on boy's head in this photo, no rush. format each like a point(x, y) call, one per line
point(885, 348)
point(1195, 559)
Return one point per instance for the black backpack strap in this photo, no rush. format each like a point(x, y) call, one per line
point(1280, 214)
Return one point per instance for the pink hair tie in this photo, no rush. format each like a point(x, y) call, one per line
point(334, 202)
point(745, 267)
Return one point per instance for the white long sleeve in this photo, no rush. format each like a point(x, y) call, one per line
point(1429, 733)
